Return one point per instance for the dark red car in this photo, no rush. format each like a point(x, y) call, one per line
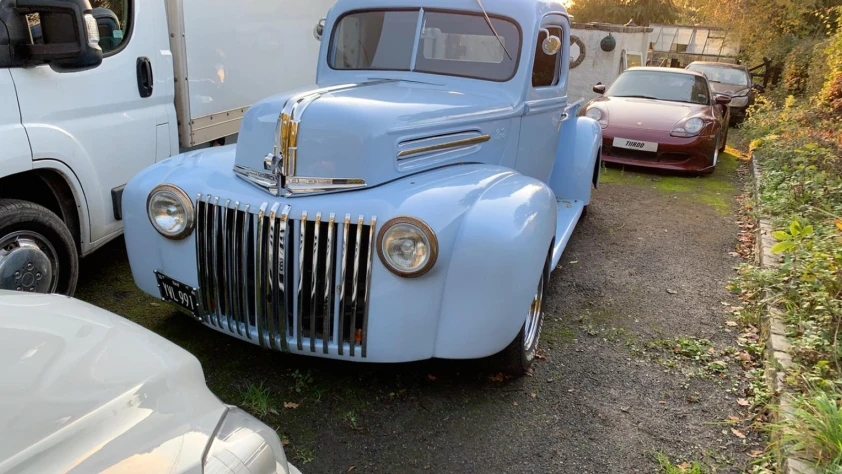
point(661, 118)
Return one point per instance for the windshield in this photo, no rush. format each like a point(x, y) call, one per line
point(455, 44)
point(671, 86)
point(723, 74)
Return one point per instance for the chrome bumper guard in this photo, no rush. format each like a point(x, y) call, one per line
point(278, 281)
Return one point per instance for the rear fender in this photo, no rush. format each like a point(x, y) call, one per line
point(497, 259)
point(578, 159)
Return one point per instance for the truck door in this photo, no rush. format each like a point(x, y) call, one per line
point(546, 99)
point(103, 122)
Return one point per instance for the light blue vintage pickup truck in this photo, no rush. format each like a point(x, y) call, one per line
point(410, 205)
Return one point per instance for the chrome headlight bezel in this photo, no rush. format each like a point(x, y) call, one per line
point(423, 230)
point(186, 205)
point(599, 115)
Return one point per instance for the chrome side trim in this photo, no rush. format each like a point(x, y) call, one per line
point(317, 185)
point(327, 308)
point(264, 181)
point(356, 283)
point(341, 329)
point(371, 244)
point(259, 298)
point(465, 142)
point(300, 319)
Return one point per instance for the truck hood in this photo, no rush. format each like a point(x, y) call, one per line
point(84, 390)
point(358, 131)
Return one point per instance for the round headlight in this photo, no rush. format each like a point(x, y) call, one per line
point(407, 247)
point(694, 125)
point(170, 211)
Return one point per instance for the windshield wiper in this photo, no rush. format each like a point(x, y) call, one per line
point(639, 97)
point(488, 20)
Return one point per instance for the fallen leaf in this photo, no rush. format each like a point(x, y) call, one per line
point(839, 224)
point(743, 402)
point(273, 411)
point(738, 433)
point(351, 469)
point(672, 292)
point(731, 323)
point(285, 442)
point(745, 356)
point(725, 303)
point(734, 418)
point(540, 354)
point(533, 395)
point(574, 262)
point(290, 405)
point(496, 377)
point(514, 403)
point(756, 453)
point(549, 380)
point(683, 466)
point(572, 390)
point(662, 402)
point(431, 377)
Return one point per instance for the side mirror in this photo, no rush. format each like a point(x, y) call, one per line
point(69, 31)
point(758, 87)
point(599, 89)
point(319, 29)
point(551, 46)
point(722, 99)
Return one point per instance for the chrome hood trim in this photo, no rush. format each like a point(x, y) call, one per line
point(281, 163)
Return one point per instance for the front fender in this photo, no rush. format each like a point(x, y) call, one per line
point(497, 260)
point(577, 161)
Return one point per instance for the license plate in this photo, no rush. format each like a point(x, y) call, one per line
point(176, 292)
point(635, 144)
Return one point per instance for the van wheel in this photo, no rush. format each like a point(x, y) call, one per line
point(37, 251)
point(517, 358)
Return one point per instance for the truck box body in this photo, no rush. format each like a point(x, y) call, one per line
point(228, 55)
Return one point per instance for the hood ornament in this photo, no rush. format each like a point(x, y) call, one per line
point(280, 166)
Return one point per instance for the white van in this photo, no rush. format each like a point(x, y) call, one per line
point(93, 91)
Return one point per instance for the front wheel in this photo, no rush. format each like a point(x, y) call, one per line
point(37, 251)
point(517, 357)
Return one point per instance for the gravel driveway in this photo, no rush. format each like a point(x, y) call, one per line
point(637, 357)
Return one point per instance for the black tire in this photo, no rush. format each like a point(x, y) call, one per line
point(23, 216)
point(724, 141)
point(516, 359)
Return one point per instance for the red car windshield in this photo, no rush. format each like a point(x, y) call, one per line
point(669, 86)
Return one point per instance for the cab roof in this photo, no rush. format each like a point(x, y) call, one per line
point(526, 12)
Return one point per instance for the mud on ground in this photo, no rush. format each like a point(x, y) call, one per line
point(637, 358)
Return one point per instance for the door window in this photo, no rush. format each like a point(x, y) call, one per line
point(114, 18)
point(545, 69)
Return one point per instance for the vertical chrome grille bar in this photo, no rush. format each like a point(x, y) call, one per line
point(314, 281)
point(244, 259)
point(327, 311)
point(271, 277)
point(234, 278)
point(226, 263)
point(356, 283)
point(371, 244)
point(200, 256)
point(209, 229)
point(215, 258)
point(300, 315)
point(283, 276)
point(341, 327)
point(259, 295)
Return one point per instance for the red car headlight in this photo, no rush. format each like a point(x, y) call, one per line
point(598, 115)
point(690, 128)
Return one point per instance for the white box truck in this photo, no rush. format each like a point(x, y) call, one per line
point(94, 91)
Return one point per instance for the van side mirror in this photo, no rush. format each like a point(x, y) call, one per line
point(599, 89)
point(69, 32)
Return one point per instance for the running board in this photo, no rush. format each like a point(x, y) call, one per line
point(569, 213)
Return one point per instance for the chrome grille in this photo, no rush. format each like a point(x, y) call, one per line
point(277, 280)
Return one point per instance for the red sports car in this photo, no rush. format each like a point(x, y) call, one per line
point(661, 118)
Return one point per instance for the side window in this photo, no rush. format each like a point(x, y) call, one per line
point(545, 71)
point(114, 19)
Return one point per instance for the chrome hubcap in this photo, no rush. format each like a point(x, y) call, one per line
point(533, 319)
point(28, 263)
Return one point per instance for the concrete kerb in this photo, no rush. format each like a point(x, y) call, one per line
point(773, 332)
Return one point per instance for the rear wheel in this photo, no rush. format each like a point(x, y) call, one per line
point(518, 356)
point(37, 251)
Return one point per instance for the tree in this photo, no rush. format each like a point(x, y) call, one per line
point(641, 12)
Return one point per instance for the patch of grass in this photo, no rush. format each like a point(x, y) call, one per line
point(557, 335)
point(667, 467)
point(302, 455)
point(814, 432)
point(257, 399)
point(351, 418)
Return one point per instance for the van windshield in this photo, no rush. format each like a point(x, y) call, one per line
point(455, 44)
